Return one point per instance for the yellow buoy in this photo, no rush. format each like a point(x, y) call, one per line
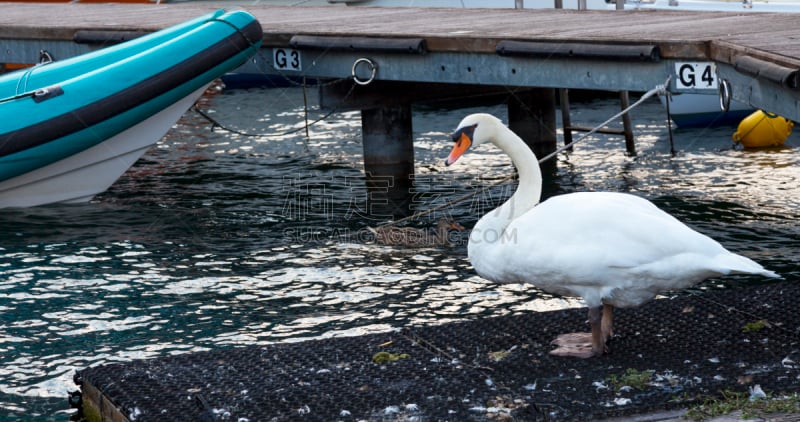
point(763, 129)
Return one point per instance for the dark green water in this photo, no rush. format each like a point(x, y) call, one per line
point(215, 240)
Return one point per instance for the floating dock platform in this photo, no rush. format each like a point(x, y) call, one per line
point(682, 351)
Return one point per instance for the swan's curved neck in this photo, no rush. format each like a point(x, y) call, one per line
point(529, 189)
point(487, 239)
point(492, 229)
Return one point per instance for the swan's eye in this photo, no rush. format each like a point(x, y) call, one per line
point(464, 131)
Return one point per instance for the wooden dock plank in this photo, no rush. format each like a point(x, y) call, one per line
point(478, 30)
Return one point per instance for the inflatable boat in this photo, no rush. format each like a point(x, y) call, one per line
point(69, 129)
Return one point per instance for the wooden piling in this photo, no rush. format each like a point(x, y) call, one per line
point(532, 116)
point(627, 127)
point(566, 120)
point(388, 159)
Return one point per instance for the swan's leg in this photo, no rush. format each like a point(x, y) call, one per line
point(607, 323)
point(583, 345)
point(598, 334)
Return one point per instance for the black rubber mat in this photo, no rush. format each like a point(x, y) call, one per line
point(680, 350)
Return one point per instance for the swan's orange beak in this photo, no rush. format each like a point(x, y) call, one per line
point(461, 146)
point(463, 140)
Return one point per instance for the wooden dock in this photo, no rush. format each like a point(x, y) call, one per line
point(758, 53)
point(682, 35)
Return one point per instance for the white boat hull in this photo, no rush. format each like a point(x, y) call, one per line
point(79, 177)
point(701, 110)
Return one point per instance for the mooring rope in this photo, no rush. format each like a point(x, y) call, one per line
point(303, 84)
point(18, 97)
point(657, 90)
point(216, 124)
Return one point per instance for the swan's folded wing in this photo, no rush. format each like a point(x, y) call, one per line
point(593, 238)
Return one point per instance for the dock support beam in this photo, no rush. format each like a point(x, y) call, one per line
point(627, 127)
point(532, 116)
point(566, 120)
point(388, 159)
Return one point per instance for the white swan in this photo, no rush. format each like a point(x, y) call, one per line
point(611, 249)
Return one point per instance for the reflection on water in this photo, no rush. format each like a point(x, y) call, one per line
point(221, 240)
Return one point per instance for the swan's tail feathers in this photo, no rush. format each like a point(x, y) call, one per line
point(737, 264)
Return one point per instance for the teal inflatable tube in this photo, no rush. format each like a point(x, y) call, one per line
point(55, 110)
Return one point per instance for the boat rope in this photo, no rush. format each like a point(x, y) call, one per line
point(253, 44)
point(38, 95)
point(216, 124)
point(22, 83)
point(305, 110)
point(667, 100)
point(660, 89)
point(303, 84)
point(17, 97)
point(264, 59)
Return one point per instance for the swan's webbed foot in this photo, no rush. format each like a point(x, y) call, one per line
point(586, 345)
point(576, 345)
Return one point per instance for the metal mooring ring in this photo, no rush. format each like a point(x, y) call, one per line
point(724, 95)
point(45, 57)
point(373, 68)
